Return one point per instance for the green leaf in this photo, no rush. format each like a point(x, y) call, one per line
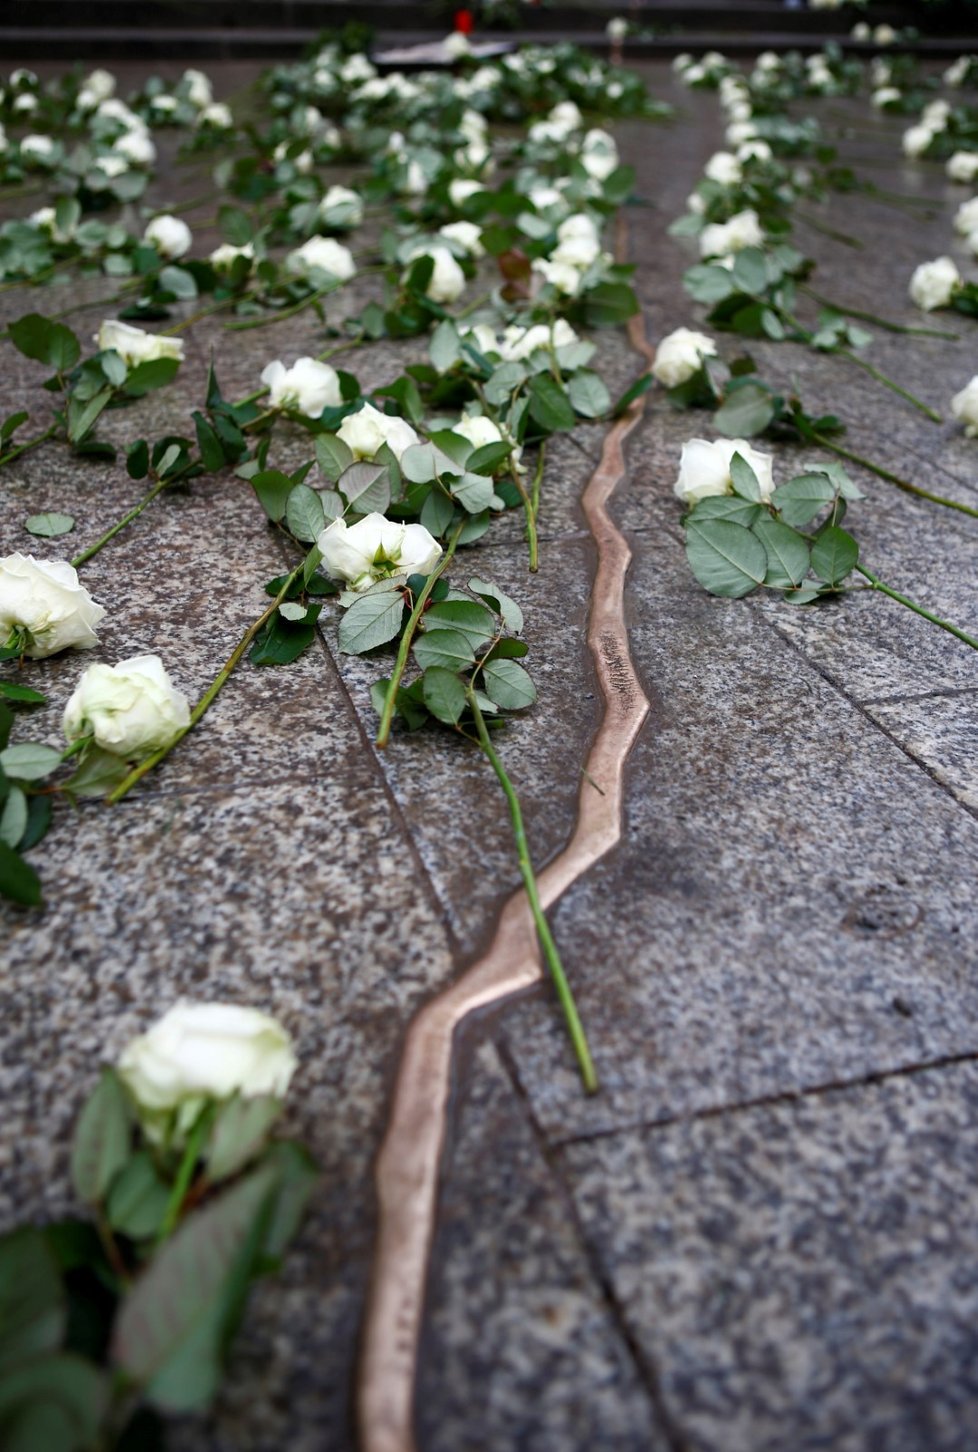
point(33, 1308)
point(61, 1398)
point(211, 450)
point(137, 459)
point(834, 555)
point(744, 480)
point(49, 526)
point(801, 498)
point(787, 553)
point(39, 813)
point(473, 491)
point(508, 685)
point(146, 377)
point(26, 695)
point(332, 455)
point(13, 817)
point(727, 506)
point(747, 411)
point(178, 281)
point(175, 1322)
point(443, 348)
point(549, 405)
point(472, 619)
point(588, 394)
point(447, 649)
point(444, 693)
point(98, 772)
point(30, 761)
point(11, 424)
point(503, 382)
point(489, 458)
point(273, 489)
point(707, 283)
point(235, 226)
point(45, 341)
point(640, 386)
point(407, 707)
point(750, 271)
point(82, 416)
point(497, 600)
point(371, 621)
point(726, 558)
point(608, 304)
point(239, 1133)
point(297, 1179)
point(138, 1199)
point(304, 514)
point(366, 486)
point(282, 640)
point(102, 1139)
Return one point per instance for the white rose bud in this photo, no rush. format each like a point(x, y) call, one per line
point(577, 252)
point(375, 549)
point(37, 148)
point(199, 92)
point(964, 406)
point(724, 168)
point(563, 276)
point(217, 115)
point(916, 140)
point(680, 355)
point(719, 239)
point(704, 468)
point(966, 217)
point(461, 189)
point(307, 387)
point(134, 345)
point(224, 257)
point(341, 207)
point(366, 431)
point(44, 602)
point(934, 284)
point(323, 254)
point(465, 235)
point(599, 154)
point(447, 281)
point(202, 1052)
point(617, 29)
point(963, 166)
point(480, 431)
point(518, 343)
point(136, 147)
point(169, 235)
point(130, 709)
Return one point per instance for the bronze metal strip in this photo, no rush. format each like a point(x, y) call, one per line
point(408, 1165)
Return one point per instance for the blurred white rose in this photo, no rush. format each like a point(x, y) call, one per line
point(169, 235)
point(224, 257)
point(447, 281)
point(719, 239)
point(466, 235)
point(680, 355)
point(934, 284)
point(341, 207)
point(963, 166)
point(323, 254)
point(964, 406)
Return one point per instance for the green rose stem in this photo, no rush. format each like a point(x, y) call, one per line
point(573, 1019)
point(29, 444)
point(206, 312)
point(806, 336)
point(844, 237)
point(209, 696)
point(185, 1173)
point(875, 583)
point(531, 519)
point(299, 306)
point(126, 519)
point(472, 306)
point(880, 322)
point(538, 478)
point(407, 636)
point(890, 478)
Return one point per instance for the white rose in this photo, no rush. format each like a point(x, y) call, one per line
point(756, 150)
point(456, 45)
point(101, 83)
point(376, 548)
point(136, 147)
point(740, 131)
point(44, 600)
point(935, 115)
point(563, 276)
point(957, 73)
point(217, 115)
point(113, 109)
point(616, 29)
point(447, 281)
point(224, 257)
point(599, 154)
point(579, 224)
point(884, 35)
point(134, 345)
point(704, 468)
point(461, 189)
point(916, 140)
point(518, 343)
point(466, 235)
point(963, 166)
point(199, 91)
point(25, 105)
point(886, 96)
point(934, 284)
point(111, 166)
point(483, 337)
point(964, 406)
point(341, 207)
point(367, 430)
point(567, 113)
point(199, 1052)
point(169, 235)
point(966, 217)
point(544, 196)
point(579, 252)
point(724, 168)
point(478, 429)
point(37, 148)
point(325, 255)
point(721, 238)
point(680, 355)
point(307, 387)
point(131, 708)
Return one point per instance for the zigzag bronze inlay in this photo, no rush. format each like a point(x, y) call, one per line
point(407, 1168)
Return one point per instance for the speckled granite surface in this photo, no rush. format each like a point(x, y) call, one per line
point(761, 1234)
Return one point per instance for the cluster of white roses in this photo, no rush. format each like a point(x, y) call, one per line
point(708, 70)
point(961, 165)
point(882, 34)
point(129, 709)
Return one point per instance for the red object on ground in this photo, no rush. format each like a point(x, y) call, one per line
point(464, 22)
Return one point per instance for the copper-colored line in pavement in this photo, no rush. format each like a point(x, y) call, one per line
point(407, 1169)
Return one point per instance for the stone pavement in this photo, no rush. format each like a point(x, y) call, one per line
point(763, 1232)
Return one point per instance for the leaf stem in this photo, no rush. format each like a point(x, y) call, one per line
point(564, 993)
point(884, 323)
point(407, 636)
point(836, 236)
point(877, 584)
point(120, 525)
point(29, 444)
point(538, 478)
point(185, 1173)
point(531, 520)
point(209, 696)
point(890, 478)
point(889, 383)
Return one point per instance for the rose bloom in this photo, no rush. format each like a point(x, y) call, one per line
point(563, 276)
point(341, 207)
point(44, 600)
point(465, 235)
point(721, 238)
point(130, 709)
point(461, 189)
point(224, 257)
point(966, 217)
point(375, 549)
point(368, 430)
point(134, 345)
point(201, 1052)
point(307, 387)
point(169, 235)
point(916, 140)
point(323, 254)
point(963, 166)
point(447, 281)
point(480, 431)
point(964, 406)
point(136, 147)
point(37, 148)
point(934, 284)
point(518, 343)
point(723, 167)
point(704, 468)
point(680, 355)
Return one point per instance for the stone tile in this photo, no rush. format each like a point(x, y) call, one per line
point(940, 732)
point(788, 883)
point(799, 1273)
point(521, 1348)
